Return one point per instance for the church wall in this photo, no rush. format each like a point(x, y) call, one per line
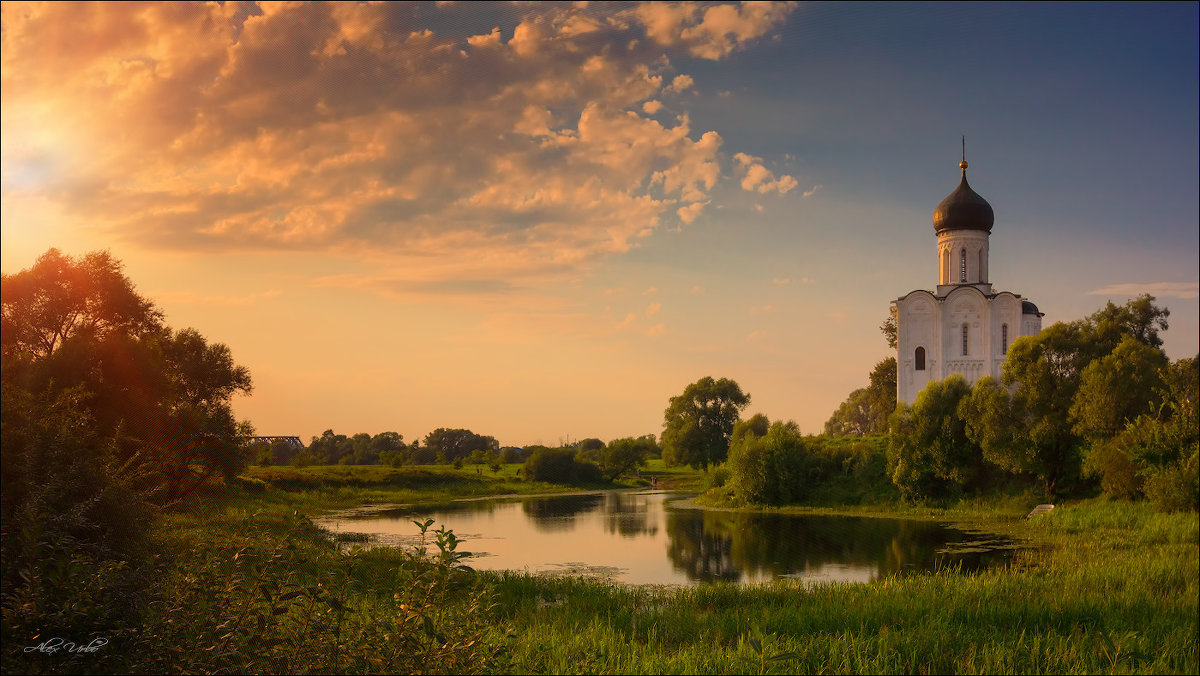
point(965, 306)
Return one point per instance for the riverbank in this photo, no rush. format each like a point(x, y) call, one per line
point(244, 582)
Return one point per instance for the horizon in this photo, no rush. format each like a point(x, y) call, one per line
point(541, 223)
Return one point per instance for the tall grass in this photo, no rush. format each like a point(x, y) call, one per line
point(1101, 592)
point(246, 583)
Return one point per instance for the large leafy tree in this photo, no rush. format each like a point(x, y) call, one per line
point(622, 455)
point(1028, 425)
point(162, 398)
point(449, 445)
point(929, 453)
point(61, 297)
point(1117, 388)
point(698, 424)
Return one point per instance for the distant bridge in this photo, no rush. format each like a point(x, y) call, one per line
point(294, 442)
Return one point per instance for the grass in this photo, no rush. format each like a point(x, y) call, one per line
point(245, 583)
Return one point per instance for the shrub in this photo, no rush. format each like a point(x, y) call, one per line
point(1176, 488)
point(559, 465)
point(718, 476)
point(769, 469)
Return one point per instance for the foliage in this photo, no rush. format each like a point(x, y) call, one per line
point(1034, 428)
point(71, 516)
point(448, 445)
point(866, 410)
point(698, 423)
point(1117, 388)
point(61, 297)
point(890, 330)
point(161, 396)
point(620, 456)
point(770, 469)
point(559, 465)
point(929, 454)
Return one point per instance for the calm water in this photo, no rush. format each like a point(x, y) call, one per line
point(638, 537)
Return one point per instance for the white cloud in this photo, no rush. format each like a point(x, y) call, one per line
point(1185, 290)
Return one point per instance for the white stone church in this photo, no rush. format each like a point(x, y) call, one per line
point(964, 326)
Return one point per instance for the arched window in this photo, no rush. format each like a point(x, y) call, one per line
point(964, 340)
point(919, 358)
point(962, 265)
point(1004, 338)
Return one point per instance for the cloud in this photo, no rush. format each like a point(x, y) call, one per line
point(759, 178)
point(813, 191)
point(518, 153)
point(710, 31)
point(680, 84)
point(653, 309)
point(1185, 290)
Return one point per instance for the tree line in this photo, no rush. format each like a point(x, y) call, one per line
point(1084, 406)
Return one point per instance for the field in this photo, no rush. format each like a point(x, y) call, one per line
point(243, 582)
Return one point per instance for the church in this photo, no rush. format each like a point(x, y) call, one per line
point(964, 326)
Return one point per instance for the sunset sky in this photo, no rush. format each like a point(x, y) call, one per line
point(541, 221)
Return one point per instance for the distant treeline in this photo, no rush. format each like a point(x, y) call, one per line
point(443, 446)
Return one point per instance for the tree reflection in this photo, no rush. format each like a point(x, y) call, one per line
point(712, 545)
point(554, 515)
point(628, 514)
point(701, 554)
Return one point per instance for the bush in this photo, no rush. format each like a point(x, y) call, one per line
point(559, 465)
point(718, 476)
point(1176, 488)
point(769, 469)
point(1118, 474)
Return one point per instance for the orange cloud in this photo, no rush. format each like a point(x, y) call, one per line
point(355, 128)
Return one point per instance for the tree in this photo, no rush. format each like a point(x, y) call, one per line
point(929, 453)
point(1117, 388)
point(771, 468)
point(866, 410)
point(449, 445)
point(622, 455)
point(698, 423)
point(890, 330)
point(61, 297)
point(161, 397)
point(1033, 429)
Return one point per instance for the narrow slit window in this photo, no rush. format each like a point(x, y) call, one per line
point(962, 265)
point(1004, 338)
point(919, 358)
point(980, 268)
point(964, 336)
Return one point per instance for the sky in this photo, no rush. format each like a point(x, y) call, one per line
point(542, 221)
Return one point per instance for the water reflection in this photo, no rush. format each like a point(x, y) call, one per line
point(636, 537)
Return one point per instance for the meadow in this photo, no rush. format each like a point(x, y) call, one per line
point(242, 581)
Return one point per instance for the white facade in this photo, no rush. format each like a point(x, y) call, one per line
point(963, 326)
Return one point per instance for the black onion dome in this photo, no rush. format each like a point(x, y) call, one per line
point(1028, 308)
point(963, 209)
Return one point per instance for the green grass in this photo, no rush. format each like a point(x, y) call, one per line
point(243, 582)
